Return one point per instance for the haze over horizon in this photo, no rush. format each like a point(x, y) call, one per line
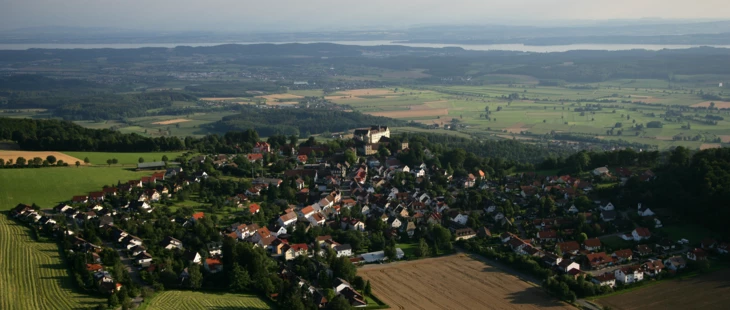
point(320, 15)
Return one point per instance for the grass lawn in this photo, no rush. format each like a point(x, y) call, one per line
point(616, 243)
point(409, 249)
point(99, 158)
point(179, 300)
point(32, 275)
point(693, 233)
point(48, 186)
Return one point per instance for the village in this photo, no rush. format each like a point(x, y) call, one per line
point(365, 205)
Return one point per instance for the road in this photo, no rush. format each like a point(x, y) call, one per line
point(133, 272)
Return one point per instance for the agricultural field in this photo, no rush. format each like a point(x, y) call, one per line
point(453, 282)
point(29, 155)
point(178, 300)
point(32, 275)
point(129, 159)
point(709, 291)
point(48, 186)
point(161, 125)
point(540, 110)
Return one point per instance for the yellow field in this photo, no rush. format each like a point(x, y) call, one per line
point(32, 275)
point(172, 121)
point(28, 155)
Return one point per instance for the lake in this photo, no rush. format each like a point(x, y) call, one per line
point(475, 47)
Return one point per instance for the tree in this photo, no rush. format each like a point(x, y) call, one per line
point(339, 303)
point(86, 160)
point(196, 277)
point(113, 301)
point(422, 248)
point(140, 160)
point(164, 158)
point(368, 289)
point(114, 161)
point(51, 159)
point(20, 161)
point(78, 164)
point(239, 279)
point(582, 237)
point(390, 252)
point(109, 162)
point(351, 157)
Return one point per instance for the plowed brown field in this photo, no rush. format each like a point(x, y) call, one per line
point(710, 291)
point(453, 282)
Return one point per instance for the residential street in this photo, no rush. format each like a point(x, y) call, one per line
point(133, 272)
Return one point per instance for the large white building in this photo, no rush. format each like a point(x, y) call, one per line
point(372, 134)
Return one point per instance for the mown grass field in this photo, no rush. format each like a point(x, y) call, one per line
point(32, 275)
point(179, 300)
point(99, 158)
point(48, 186)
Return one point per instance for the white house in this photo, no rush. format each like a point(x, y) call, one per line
point(394, 222)
point(644, 211)
point(287, 219)
point(460, 218)
point(600, 171)
point(573, 209)
point(641, 233)
point(343, 250)
point(629, 275)
point(568, 265)
point(606, 279)
point(608, 207)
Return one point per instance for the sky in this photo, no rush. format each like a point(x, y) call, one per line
point(321, 15)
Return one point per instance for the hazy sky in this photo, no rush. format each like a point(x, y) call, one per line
point(290, 15)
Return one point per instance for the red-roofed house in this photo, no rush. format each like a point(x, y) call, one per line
point(571, 247)
point(623, 255)
point(598, 260)
point(254, 208)
point(262, 147)
point(592, 244)
point(80, 199)
point(254, 157)
point(198, 215)
point(213, 265)
point(697, 254)
point(302, 158)
point(641, 233)
point(547, 235)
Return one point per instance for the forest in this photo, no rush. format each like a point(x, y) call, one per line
point(299, 122)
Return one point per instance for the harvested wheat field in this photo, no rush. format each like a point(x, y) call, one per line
point(284, 97)
point(411, 113)
point(718, 104)
point(367, 92)
point(709, 291)
point(517, 128)
point(453, 282)
point(172, 121)
point(220, 99)
point(706, 146)
point(29, 155)
point(725, 138)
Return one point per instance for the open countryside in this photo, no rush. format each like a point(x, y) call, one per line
point(453, 282)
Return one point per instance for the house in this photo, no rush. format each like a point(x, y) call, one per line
point(343, 250)
point(623, 255)
point(598, 260)
point(484, 232)
point(697, 254)
point(641, 233)
point(171, 243)
point(213, 265)
point(464, 233)
point(645, 211)
point(600, 171)
point(652, 267)
point(410, 229)
point(254, 208)
point(571, 247)
point(643, 250)
point(143, 259)
point(573, 209)
point(675, 263)
point(192, 257)
point(254, 157)
point(80, 199)
point(592, 244)
point(628, 275)
point(607, 207)
point(606, 279)
point(568, 265)
point(262, 147)
point(547, 235)
point(197, 216)
point(317, 219)
point(287, 219)
point(551, 260)
point(394, 222)
point(608, 216)
point(294, 250)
